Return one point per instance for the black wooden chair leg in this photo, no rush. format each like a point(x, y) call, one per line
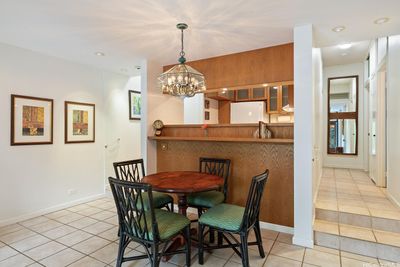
point(155, 262)
point(201, 251)
point(121, 249)
point(257, 231)
point(244, 251)
point(220, 239)
point(188, 246)
point(212, 235)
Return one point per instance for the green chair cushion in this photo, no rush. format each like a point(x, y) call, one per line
point(169, 223)
point(206, 199)
point(223, 216)
point(159, 200)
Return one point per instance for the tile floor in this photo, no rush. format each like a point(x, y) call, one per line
point(86, 235)
point(352, 191)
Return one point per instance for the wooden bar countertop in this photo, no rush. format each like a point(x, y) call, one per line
point(224, 139)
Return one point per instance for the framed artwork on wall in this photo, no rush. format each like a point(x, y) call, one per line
point(207, 116)
point(135, 105)
point(79, 122)
point(31, 120)
point(206, 104)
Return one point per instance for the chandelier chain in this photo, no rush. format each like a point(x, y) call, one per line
point(182, 54)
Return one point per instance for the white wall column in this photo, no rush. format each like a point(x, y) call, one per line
point(303, 136)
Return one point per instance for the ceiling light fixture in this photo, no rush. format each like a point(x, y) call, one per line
point(339, 28)
point(182, 80)
point(100, 54)
point(345, 46)
point(381, 20)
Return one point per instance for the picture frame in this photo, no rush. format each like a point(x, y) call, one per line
point(135, 105)
point(206, 104)
point(80, 122)
point(31, 120)
point(207, 115)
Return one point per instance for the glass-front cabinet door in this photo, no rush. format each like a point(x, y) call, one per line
point(273, 99)
point(242, 95)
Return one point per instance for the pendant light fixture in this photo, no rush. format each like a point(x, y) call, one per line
point(182, 80)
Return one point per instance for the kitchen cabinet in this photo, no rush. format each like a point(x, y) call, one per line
point(279, 97)
point(243, 95)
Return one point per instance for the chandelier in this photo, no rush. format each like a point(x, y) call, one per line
point(182, 80)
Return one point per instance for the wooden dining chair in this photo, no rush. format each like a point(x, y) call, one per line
point(232, 219)
point(153, 228)
point(209, 199)
point(133, 170)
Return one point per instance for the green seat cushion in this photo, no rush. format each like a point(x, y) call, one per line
point(207, 199)
point(169, 223)
point(159, 200)
point(223, 216)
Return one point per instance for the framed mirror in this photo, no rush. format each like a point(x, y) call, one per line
point(343, 115)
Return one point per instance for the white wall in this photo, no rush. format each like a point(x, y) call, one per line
point(36, 179)
point(318, 119)
point(346, 161)
point(393, 118)
point(119, 127)
point(193, 109)
point(303, 136)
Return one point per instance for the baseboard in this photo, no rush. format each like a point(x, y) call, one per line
point(49, 210)
point(277, 227)
point(303, 242)
point(392, 198)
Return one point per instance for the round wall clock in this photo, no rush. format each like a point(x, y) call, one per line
point(158, 125)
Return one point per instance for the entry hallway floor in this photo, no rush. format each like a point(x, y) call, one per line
point(86, 235)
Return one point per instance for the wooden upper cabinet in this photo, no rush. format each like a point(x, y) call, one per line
point(259, 93)
point(279, 97)
point(265, 65)
point(243, 95)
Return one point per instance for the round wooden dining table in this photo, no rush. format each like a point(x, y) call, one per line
point(183, 183)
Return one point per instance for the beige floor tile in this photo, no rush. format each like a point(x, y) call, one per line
point(74, 238)
point(385, 263)
point(209, 260)
point(91, 245)
point(346, 262)
point(17, 236)
point(33, 221)
point(17, 260)
point(82, 223)
point(7, 252)
point(88, 262)
point(59, 232)
point(276, 261)
point(136, 263)
point(58, 214)
point(385, 214)
point(107, 254)
point(388, 238)
point(103, 215)
point(225, 253)
point(327, 250)
point(269, 234)
point(113, 220)
point(267, 245)
point(45, 226)
point(89, 211)
point(98, 228)
point(10, 229)
point(356, 232)
point(326, 227)
point(321, 258)
point(288, 251)
point(285, 238)
point(43, 251)
point(29, 243)
point(79, 207)
point(358, 257)
point(110, 234)
point(254, 258)
point(69, 218)
point(326, 205)
point(62, 258)
point(354, 209)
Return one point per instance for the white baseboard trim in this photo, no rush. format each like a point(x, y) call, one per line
point(303, 242)
point(392, 198)
point(277, 227)
point(49, 210)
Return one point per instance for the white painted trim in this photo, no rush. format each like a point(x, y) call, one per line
point(392, 198)
point(303, 242)
point(49, 210)
point(277, 227)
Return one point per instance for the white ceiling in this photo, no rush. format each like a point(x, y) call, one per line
point(128, 31)
point(334, 55)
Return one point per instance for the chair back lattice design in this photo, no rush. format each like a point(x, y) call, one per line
point(134, 220)
point(252, 210)
point(215, 166)
point(131, 170)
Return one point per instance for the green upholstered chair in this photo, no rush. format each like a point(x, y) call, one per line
point(231, 219)
point(209, 199)
point(133, 170)
point(153, 228)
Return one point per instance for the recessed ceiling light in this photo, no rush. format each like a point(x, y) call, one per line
point(381, 20)
point(100, 54)
point(265, 84)
point(224, 89)
point(345, 46)
point(344, 54)
point(137, 67)
point(339, 28)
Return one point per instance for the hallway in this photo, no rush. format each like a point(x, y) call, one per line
point(354, 215)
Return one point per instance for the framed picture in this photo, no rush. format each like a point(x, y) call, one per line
point(31, 120)
point(135, 105)
point(79, 122)
point(206, 104)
